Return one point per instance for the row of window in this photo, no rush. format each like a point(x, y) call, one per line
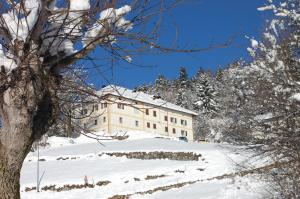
point(149, 125)
point(183, 133)
point(102, 105)
point(147, 113)
point(103, 120)
point(95, 108)
point(120, 121)
point(183, 122)
point(172, 119)
point(122, 106)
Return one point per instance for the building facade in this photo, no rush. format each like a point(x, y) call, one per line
point(122, 109)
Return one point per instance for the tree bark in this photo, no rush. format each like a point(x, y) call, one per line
point(27, 110)
point(10, 167)
point(9, 183)
point(13, 150)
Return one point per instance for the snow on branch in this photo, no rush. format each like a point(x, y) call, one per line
point(22, 18)
point(110, 17)
point(54, 30)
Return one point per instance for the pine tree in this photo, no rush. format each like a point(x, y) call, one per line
point(160, 87)
point(183, 85)
point(182, 99)
point(205, 93)
point(183, 81)
point(219, 75)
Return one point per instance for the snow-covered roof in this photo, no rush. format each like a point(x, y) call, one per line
point(141, 97)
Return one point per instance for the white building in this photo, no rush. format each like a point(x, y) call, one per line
point(124, 109)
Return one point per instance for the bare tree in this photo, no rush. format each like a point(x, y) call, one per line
point(74, 92)
point(42, 38)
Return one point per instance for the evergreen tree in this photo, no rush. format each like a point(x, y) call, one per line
point(182, 99)
point(205, 93)
point(219, 75)
point(161, 86)
point(183, 78)
point(143, 88)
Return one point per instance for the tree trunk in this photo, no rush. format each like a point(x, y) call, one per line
point(27, 110)
point(69, 128)
point(10, 177)
point(9, 183)
point(13, 150)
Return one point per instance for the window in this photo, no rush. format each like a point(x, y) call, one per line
point(136, 123)
point(154, 113)
point(148, 124)
point(183, 133)
point(104, 119)
point(121, 106)
point(147, 111)
point(84, 111)
point(174, 131)
point(154, 126)
point(84, 125)
point(166, 129)
point(166, 118)
point(183, 122)
point(173, 120)
point(103, 105)
point(96, 107)
point(96, 122)
point(120, 120)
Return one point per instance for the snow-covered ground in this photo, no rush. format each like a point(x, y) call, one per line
point(68, 162)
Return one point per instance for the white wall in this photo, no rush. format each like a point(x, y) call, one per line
point(136, 111)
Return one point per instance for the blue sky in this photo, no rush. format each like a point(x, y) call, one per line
point(200, 23)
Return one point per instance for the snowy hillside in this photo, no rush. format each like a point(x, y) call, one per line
point(140, 167)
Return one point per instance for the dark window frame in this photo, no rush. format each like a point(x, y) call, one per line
point(174, 131)
point(154, 114)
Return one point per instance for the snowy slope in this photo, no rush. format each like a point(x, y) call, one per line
point(127, 176)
